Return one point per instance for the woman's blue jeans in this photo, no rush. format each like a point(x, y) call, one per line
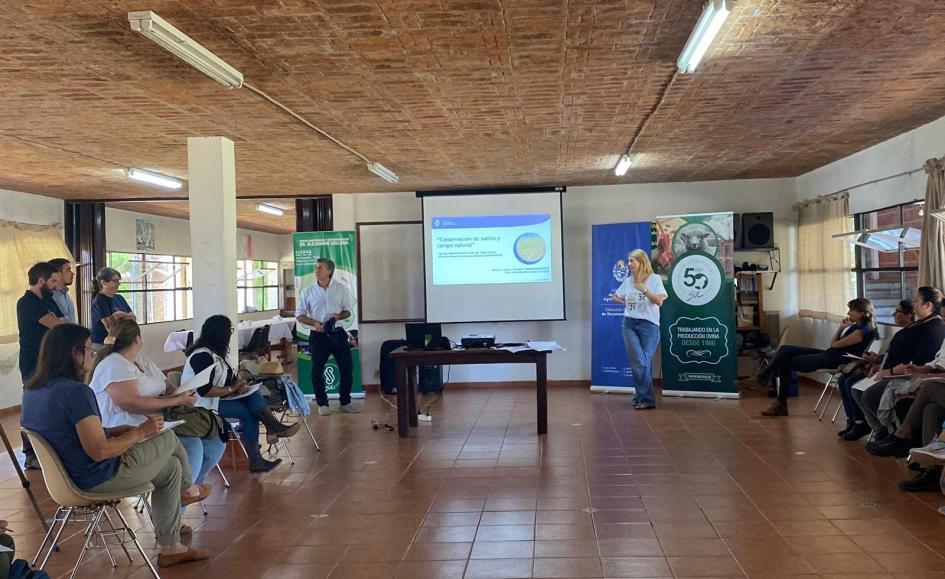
point(245, 410)
point(202, 454)
point(641, 339)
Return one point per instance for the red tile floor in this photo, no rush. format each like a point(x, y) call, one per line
point(695, 488)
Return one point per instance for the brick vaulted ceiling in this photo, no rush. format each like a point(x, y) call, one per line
point(458, 93)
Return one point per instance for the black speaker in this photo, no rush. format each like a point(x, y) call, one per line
point(737, 231)
point(757, 230)
point(431, 379)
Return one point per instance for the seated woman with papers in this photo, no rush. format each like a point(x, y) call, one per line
point(221, 391)
point(129, 387)
point(59, 406)
point(852, 337)
point(919, 345)
point(869, 365)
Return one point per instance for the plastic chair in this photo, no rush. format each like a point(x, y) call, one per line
point(258, 344)
point(70, 498)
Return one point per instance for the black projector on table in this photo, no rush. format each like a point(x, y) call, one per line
point(478, 341)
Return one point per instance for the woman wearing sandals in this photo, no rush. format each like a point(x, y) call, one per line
point(642, 293)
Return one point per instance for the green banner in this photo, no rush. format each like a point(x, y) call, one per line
point(338, 246)
point(694, 255)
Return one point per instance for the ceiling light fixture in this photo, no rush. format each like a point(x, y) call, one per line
point(713, 16)
point(382, 172)
point(190, 51)
point(184, 47)
point(155, 178)
point(623, 165)
point(270, 209)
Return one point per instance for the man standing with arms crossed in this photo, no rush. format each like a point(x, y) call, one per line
point(36, 312)
point(320, 306)
point(61, 293)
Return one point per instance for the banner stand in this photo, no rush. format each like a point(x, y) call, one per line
point(611, 244)
point(338, 246)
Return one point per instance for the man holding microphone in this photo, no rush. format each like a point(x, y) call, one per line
point(319, 307)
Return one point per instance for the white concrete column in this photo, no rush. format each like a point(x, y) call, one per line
point(211, 169)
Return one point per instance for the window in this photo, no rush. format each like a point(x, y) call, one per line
point(885, 277)
point(158, 287)
point(257, 286)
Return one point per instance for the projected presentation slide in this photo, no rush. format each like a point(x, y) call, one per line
point(491, 249)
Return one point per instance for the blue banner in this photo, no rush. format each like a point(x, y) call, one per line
point(610, 245)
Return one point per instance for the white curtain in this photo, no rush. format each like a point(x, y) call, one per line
point(931, 257)
point(825, 277)
point(21, 246)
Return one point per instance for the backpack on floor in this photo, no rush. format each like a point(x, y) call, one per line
point(21, 570)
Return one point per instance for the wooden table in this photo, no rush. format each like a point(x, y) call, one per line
point(407, 361)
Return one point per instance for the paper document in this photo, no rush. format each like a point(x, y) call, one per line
point(167, 426)
point(513, 349)
point(196, 381)
point(252, 388)
point(854, 356)
point(865, 383)
point(544, 346)
point(4, 549)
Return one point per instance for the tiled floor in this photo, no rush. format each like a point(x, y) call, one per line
point(696, 488)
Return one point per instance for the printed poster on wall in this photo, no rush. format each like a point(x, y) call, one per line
point(695, 256)
point(611, 245)
point(144, 235)
point(338, 246)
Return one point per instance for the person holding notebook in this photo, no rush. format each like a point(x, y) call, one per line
point(129, 387)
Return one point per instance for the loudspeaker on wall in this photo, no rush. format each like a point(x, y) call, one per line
point(757, 230)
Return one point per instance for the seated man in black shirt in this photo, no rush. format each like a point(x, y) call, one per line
point(36, 312)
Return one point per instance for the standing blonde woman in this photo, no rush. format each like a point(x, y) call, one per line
point(642, 293)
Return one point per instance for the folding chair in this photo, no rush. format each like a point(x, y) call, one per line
point(73, 501)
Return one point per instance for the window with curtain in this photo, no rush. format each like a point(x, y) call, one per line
point(21, 246)
point(257, 285)
point(159, 288)
point(826, 280)
point(888, 272)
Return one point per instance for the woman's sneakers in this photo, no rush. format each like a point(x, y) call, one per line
point(777, 409)
point(260, 464)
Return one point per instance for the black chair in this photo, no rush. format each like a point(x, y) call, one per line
point(258, 343)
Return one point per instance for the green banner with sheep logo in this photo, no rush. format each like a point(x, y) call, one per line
point(694, 255)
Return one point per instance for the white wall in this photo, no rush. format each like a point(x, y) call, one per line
point(23, 208)
point(907, 152)
point(583, 207)
point(172, 237)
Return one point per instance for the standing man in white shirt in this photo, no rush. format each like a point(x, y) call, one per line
point(319, 306)
point(60, 293)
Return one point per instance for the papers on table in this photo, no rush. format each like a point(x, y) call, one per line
point(196, 381)
point(535, 346)
point(544, 346)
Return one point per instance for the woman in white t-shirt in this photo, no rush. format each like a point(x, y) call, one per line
point(129, 387)
point(642, 293)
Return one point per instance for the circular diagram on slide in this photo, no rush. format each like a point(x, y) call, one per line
point(530, 248)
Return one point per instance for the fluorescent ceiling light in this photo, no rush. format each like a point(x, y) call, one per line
point(382, 172)
point(713, 16)
point(155, 178)
point(270, 209)
point(623, 165)
point(184, 47)
point(884, 240)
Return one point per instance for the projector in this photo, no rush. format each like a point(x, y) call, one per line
point(478, 341)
